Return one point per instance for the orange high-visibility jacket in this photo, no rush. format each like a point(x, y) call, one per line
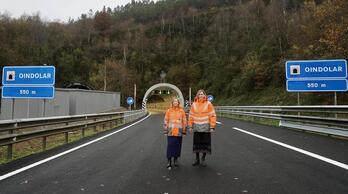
point(202, 116)
point(175, 121)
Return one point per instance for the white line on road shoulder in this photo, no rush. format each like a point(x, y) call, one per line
point(328, 160)
point(218, 122)
point(66, 152)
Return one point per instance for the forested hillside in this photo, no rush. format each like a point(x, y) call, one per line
point(235, 49)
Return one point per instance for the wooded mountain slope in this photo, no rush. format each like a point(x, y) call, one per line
point(235, 49)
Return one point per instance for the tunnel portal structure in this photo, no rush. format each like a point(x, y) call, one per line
point(162, 85)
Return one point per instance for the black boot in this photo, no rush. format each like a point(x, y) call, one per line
point(176, 162)
point(196, 162)
point(203, 160)
point(169, 164)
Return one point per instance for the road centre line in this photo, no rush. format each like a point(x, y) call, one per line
point(328, 160)
point(5, 176)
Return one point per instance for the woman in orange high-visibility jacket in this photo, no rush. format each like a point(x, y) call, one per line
point(202, 121)
point(174, 127)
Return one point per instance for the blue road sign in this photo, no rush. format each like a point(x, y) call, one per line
point(210, 98)
point(41, 92)
point(317, 85)
point(130, 101)
point(28, 75)
point(314, 69)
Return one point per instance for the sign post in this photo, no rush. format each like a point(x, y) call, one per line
point(135, 96)
point(317, 76)
point(190, 96)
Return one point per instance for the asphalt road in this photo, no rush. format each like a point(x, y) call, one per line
point(133, 161)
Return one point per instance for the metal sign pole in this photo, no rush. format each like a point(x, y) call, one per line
point(335, 102)
point(44, 108)
point(190, 96)
point(135, 96)
point(298, 98)
point(335, 99)
point(28, 107)
point(298, 102)
point(13, 107)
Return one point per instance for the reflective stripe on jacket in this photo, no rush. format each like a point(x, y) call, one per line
point(202, 116)
point(175, 122)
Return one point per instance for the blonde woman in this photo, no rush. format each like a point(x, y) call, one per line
point(202, 121)
point(174, 129)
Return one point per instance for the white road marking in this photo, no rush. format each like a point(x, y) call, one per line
point(218, 122)
point(328, 160)
point(66, 152)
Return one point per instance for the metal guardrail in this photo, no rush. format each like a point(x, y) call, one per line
point(332, 120)
point(19, 130)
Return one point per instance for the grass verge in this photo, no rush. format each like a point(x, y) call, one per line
point(263, 121)
point(34, 146)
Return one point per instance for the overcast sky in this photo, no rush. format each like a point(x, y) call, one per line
point(56, 9)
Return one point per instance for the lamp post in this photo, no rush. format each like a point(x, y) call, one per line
point(163, 76)
point(163, 80)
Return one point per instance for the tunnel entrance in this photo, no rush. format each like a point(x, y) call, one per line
point(160, 95)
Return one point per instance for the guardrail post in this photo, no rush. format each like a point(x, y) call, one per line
point(253, 118)
point(44, 143)
point(9, 151)
point(10, 147)
point(96, 126)
point(66, 137)
point(83, 132)
point(85, 127)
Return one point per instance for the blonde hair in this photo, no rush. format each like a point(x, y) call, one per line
point(199, 91)
point(177, 100)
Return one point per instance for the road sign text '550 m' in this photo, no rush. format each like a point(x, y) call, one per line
point(316, 85)
point(39, 92)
